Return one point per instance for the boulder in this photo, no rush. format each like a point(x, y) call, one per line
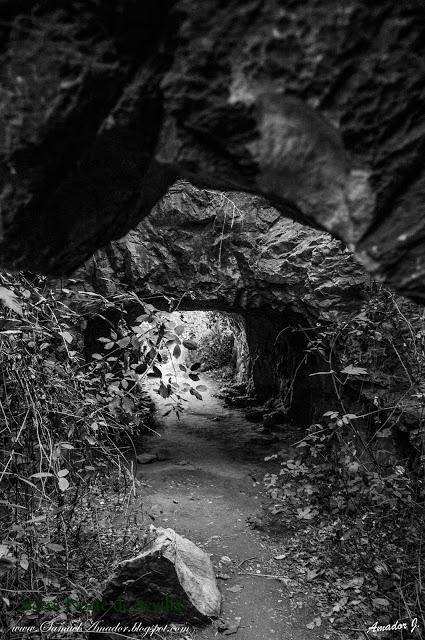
point(273, 418)
point(171, 581)
point(254, 415)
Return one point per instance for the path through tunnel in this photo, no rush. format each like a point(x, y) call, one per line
point(201, 470)
point(261, 357)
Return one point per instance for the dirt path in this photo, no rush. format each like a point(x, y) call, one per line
point(206, 490)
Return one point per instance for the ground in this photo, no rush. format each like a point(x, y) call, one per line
point(208, 490)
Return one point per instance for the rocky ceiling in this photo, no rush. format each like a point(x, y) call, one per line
point(203, 249)
point(317, 106)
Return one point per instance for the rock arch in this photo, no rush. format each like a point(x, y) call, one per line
point(207, 250)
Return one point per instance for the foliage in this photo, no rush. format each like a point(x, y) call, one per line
point(352, 499)
point(362, 530)
point(133, 353)
point(68, 495)
point(215, 346)
point(376, 359)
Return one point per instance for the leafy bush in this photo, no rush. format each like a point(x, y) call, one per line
point(353, 501)
point(68, 495)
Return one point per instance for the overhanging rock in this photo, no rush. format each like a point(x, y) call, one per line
point(317, 106)
point(231, 253)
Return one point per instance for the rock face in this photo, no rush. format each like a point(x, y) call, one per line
point(172, 580)
point(229, 253)
point(318, 106)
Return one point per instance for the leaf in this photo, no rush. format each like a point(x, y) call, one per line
point(42, 474)
point(311, 574)
point(63, 484)
point(96, 356)
point(340, 604)
point(195, 393)
point(141, 368)
point(177, 351)
point(306, 514)
point(127, 405)
point(236, 588)
point(23, 562)
point(10, 300)
point(354, 583)
point(54, 547)
point(353, 467)
point(347, 535)
point(384, 433)
point(179, 329)
point(163, 391)
point(195, 366)
point(182, 367)
point(155, 373)
point(189, 344)
point(67, 336)
point(280, 557)
point(379, 603)
point(194, 377)
point(354, 371)
point(201, 387)
point(316, 622)
point(63, 472)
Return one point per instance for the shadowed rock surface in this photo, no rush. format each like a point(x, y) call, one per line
point(317, 106)
point(229, 253)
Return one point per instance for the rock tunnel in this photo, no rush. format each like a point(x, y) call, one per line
point(205, 250)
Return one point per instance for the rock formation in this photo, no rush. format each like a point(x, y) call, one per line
point(229, 253)
point(318, 106)
point(237, 255)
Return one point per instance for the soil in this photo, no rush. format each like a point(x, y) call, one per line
point(206, 484)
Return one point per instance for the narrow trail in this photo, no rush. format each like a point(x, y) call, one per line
point(205, 486)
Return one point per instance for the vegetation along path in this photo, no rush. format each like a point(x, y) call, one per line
point(205, 484)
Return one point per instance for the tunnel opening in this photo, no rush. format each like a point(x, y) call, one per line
point(260, 355)
point(219, 338)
